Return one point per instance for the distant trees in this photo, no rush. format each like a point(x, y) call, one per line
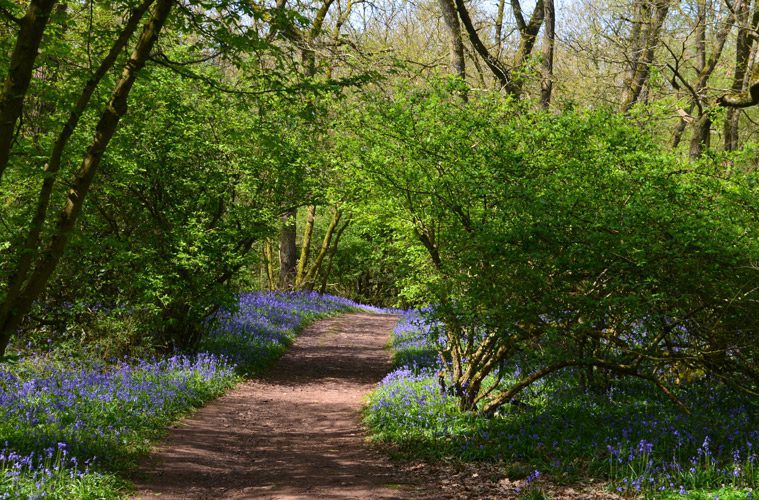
point(306, 40)
point(675, 59)
point(250, 153)
point(163, 245)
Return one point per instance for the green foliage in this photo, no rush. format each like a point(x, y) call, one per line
point(370, 264)
point(192, 180)
point(573, 437)
point(563, 240)
point(211, 151)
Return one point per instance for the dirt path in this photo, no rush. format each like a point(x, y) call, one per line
point(295, 433)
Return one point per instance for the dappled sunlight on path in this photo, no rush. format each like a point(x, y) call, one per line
point(294, 433)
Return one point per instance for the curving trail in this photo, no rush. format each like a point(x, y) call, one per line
point(295, 433)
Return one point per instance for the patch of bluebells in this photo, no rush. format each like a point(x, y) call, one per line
point(410, 398)
point(631, 435)
point(676, 453)
point(93, 410)
point(414, 341)
point(65, 425)
point(266, 323)
point(50, 473)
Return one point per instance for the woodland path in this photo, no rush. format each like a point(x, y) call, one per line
point(297, 433)
point(294, 433)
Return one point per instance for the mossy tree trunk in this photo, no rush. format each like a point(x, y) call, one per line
point(16, 305)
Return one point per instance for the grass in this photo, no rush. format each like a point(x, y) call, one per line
point(630, 436)
point(70, 427)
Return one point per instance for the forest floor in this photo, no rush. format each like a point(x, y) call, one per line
point(297, 433)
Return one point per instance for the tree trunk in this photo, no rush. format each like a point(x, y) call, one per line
point(701, 135)
point(528, 35)
point(705, 67)
point(643, 47)
point(743, 45)
point(458, 64)
point(681, 126)
point(28, 251)
point(702, 126)
point(305, 247)
point(700, 35)
point(332, 252)
point(528, 31)
point(546, 83)
point(640, 17)
point(502, 74)
point(287, 247)
point(499, 27)
point(287, 250)
point(15, 307)
point(31, 28)
point(312, 273)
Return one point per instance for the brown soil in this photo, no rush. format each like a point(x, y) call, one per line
point(297, 433)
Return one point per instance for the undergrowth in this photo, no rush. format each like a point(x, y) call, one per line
point(629, 435)
point(72, 426)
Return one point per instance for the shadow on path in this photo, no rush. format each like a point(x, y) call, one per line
point(295, 433)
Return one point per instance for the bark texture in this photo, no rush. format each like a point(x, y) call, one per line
point(269, 265)
point(644, 40)
point(458, 63)
point(549, 35)
point(745, 99)
point(16, 306)
point(499, 70)
point(31, 28)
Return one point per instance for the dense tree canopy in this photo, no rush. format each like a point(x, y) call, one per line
point(565, 240)
point(571, 187)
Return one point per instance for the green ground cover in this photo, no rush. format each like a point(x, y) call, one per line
point(629, 435)
point(71, 427)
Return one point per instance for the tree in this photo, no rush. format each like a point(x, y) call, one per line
point(305, 40)
point(24, 290)
point(31, 28)
point(34, 242)
point(509, 77)
point(549, 41)
point(745, 99)
point(176, 221)
point(704, 67)
point(458, 63)
point(645, 33)
point(522, 276)
point(743, 47)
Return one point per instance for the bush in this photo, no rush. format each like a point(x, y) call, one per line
point(630, 436)
point(563, 242)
